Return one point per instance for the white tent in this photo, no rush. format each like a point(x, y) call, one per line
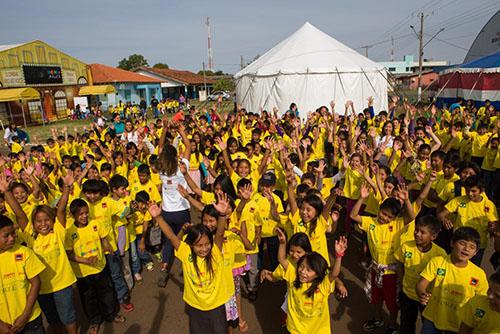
point(311, 69)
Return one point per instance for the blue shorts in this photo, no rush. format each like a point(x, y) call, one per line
point(58, 307)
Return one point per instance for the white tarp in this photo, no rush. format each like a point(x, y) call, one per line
point(311, 68)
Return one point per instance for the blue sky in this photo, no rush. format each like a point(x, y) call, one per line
point(173, 31)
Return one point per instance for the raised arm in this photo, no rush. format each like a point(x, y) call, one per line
point(222, 206)
point(292, 199)
point(223, 146)
point(185, 140)
point(63, 201)
point(21, 217)
point(340, 248)
point(282, 249)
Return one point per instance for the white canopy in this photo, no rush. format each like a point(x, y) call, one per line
point(311, 68)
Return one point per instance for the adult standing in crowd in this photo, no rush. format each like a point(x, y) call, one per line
point(154, 104)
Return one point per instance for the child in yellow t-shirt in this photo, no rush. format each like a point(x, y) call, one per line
point(481, 314)
point(208, 281)
point(414, 255)
point(455, 280)
point(309, 286)
point(383, 234)
point(20, 270)
point(86, 244)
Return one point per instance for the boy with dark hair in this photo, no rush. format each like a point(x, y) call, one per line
point(101, 210)
point(474, 210)
point(383, 234)
point(144, 183)
point(455, 279)
point(481, 314)
point(413, 256)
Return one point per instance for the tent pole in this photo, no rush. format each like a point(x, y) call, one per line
point(246, 93)
point(24, 116)
point(441, 90)
point(270, 92)
point(373, 88)
point(474, 86)
point(340, 79)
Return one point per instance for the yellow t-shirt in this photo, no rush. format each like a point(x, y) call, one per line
point(414, 261)
point(479, 143)
point(445, 189)
point(383, 239)
point(207, 197)
point(253, 177)
point(317, 238)
point(489, 159)
point(86, 242)
point(137, 220)
point(353, 181)
point(120, 208)
point(473, 214)
point(16, 147)
point(307, 314)
point(453, 287)
point(120, 170)
point(477, 314)
point(18, 265)
point(250, 215)
point(264, 208)
point(233, 250)
point(149, 187)
point(50, 250)
point(204, 290)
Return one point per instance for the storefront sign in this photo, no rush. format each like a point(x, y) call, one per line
point(69, 77)
point(12, 78)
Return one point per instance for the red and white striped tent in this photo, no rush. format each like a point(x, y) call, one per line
point(478, 80)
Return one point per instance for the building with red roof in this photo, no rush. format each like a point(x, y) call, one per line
point(177, 82)
point(129, 86)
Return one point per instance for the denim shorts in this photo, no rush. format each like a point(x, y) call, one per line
point(59, 307)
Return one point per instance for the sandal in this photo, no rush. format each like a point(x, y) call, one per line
point(243, 326)
point(94, 329)
point(119, 319)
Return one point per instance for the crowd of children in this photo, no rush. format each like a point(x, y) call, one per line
point(413, 189)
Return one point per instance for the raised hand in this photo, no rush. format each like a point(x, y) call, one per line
point(364, 191)
point(222, 204)
point(69, 179)
point(222, 145)
point(281, 235)
point(245, 192)
point(183, 168)
point(154, 210)
point(403, 192)
point(4, 183)
point(340, 245)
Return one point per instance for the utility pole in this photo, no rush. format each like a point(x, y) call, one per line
point(242, 65)
point(204, 79)
point(366, 47)
point(210, 53)
point(420, 56)
point(392, 48)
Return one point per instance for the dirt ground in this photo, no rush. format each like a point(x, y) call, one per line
point(162, 310)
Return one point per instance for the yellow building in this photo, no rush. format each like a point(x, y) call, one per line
point(54, 74)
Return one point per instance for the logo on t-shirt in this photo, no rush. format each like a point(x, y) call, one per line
point(462, 204)
point(408, 255)
point(479, 313)
point(190, 257)
point(372, 227)
point(441, 272)
point(74, 236)
point(19, 257)
point(95, 228)
point(473, 281)
point(390, 228)
point(104, 205)
point(486, 209)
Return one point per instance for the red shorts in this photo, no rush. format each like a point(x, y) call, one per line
point(387, 293)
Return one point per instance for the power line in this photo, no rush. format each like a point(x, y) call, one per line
point(448, 43)
point(467, 14)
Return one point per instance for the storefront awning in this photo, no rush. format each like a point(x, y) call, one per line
point(15, 94)
point(97, 90)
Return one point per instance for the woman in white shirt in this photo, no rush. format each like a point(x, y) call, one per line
point(175, 208)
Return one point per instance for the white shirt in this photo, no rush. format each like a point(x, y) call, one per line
point(9, 134)
point(172, 201)
point(131, 137)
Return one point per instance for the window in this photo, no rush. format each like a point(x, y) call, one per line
point(407, 69)
point(28, 57)
point(53, 58)
point(35, 111)
point(61, 104)
point(128, 95)
point(392, 69)
point(40, 54)
point(64, 62)
point(13, 60)
point(82, 81)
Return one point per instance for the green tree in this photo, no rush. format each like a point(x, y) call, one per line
point(132, 62)
point(207, 73)
point(224, 84)
point(161, 66)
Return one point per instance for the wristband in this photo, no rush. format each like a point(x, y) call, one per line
point(339, 255)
